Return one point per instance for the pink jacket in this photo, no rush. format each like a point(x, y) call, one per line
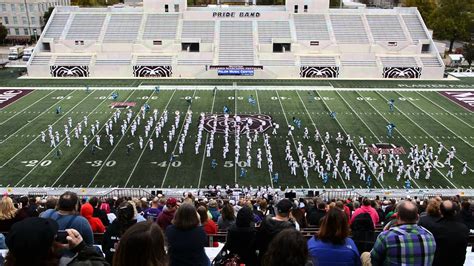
point(373, 213)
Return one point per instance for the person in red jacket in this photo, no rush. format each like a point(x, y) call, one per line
point(207, 224)
point(368, 209)
point(166, 216)
point(96, 224)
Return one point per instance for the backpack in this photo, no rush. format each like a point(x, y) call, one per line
point(363, 233)
point(363, 222)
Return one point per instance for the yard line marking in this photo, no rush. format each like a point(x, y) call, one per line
point(36, 117)
point(177, 140)
point(26, 108)
point(287, 123)
point(147, 142)
point(90, 141)
point(469, 144)
point(455, 116)
point(116, 145)
point(46, 156)
point(383, 97)
point(357, 149)
point(33, 140)
point(260, 111)
point(205, 144)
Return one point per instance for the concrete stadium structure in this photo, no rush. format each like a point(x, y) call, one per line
point(303, 39)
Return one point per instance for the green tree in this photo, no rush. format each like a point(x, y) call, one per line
point(426, 8)
point(47, 15)
point(451, 21)
point(468, 53)
point(3, 33)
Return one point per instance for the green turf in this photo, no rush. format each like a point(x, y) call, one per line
point(420, 117)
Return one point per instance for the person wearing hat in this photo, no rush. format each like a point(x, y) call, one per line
point(167, 215)
point(271, 226)
point(32, 242)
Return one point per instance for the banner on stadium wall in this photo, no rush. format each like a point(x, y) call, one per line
point(235, 72)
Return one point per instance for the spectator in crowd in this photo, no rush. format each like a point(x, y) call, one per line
point(366, 208)
point(68, 218)
point(167, 215)
point(32, 242)
point(432, 214)
point(96, 224)
point(332, 245)
point(125, 219)
point(49, 204)
point(262, 209)
point(7, 214)
point(451, 236)
point(271, 226)
point(138, 214)
point(227, 217)
point(287, 248)
point(466, 214)
point(98, 212)
point(186, 239)
point(142, 244)
point(155, 209)
point(297, 214)
point(207, 224)
point(213, 209)
point(316, 213)
point(104, 206)
point(23, 207)
point(241, 237)
point(405, 243)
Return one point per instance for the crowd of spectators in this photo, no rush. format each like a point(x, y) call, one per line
point(258, 231)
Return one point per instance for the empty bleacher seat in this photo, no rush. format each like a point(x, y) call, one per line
point(415, 27)
point(56, 27)
point(200, 62)
point(198, 29)
point(431, 62)
point(318, 61)
point(161, 26)
point(311, 27)
point(40, 60)
point(386, 28)
point(72, 60)
point(398, 61)
point(236, 43)
point(277, 62)
point(86, 27)
point(349, 29)
point(268, 30)
point(123, 28)
point(113, 61)
point(359, 63)
point(153, 60)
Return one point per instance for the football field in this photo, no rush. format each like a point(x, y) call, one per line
point(420, 117)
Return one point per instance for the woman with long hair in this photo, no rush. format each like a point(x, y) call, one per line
point(227, 217)
point(208, 224)
point(332, 245)
point(241, 237)
point(287, 248)
point(125, 219)
point(186, 239)
point(7, 214)
point(142, 244)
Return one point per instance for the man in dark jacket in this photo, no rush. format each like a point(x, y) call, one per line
point(316, 213)
point(95, 202)
point(271, 226)
point(167, 215)
point(451, 236)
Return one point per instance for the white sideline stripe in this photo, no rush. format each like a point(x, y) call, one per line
point(27, 145)
point(455, 116)
point(24, 109)
point(432, 136)
point(146, 144)
point(36, 117)
point(79, 153)
point(414, 181)
point(46, 156)
point(358, 151)
point(287, 123)
point(116, 145)
point(260, 112)
point(177, 141)
point(205, 144)
point(449, 181)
